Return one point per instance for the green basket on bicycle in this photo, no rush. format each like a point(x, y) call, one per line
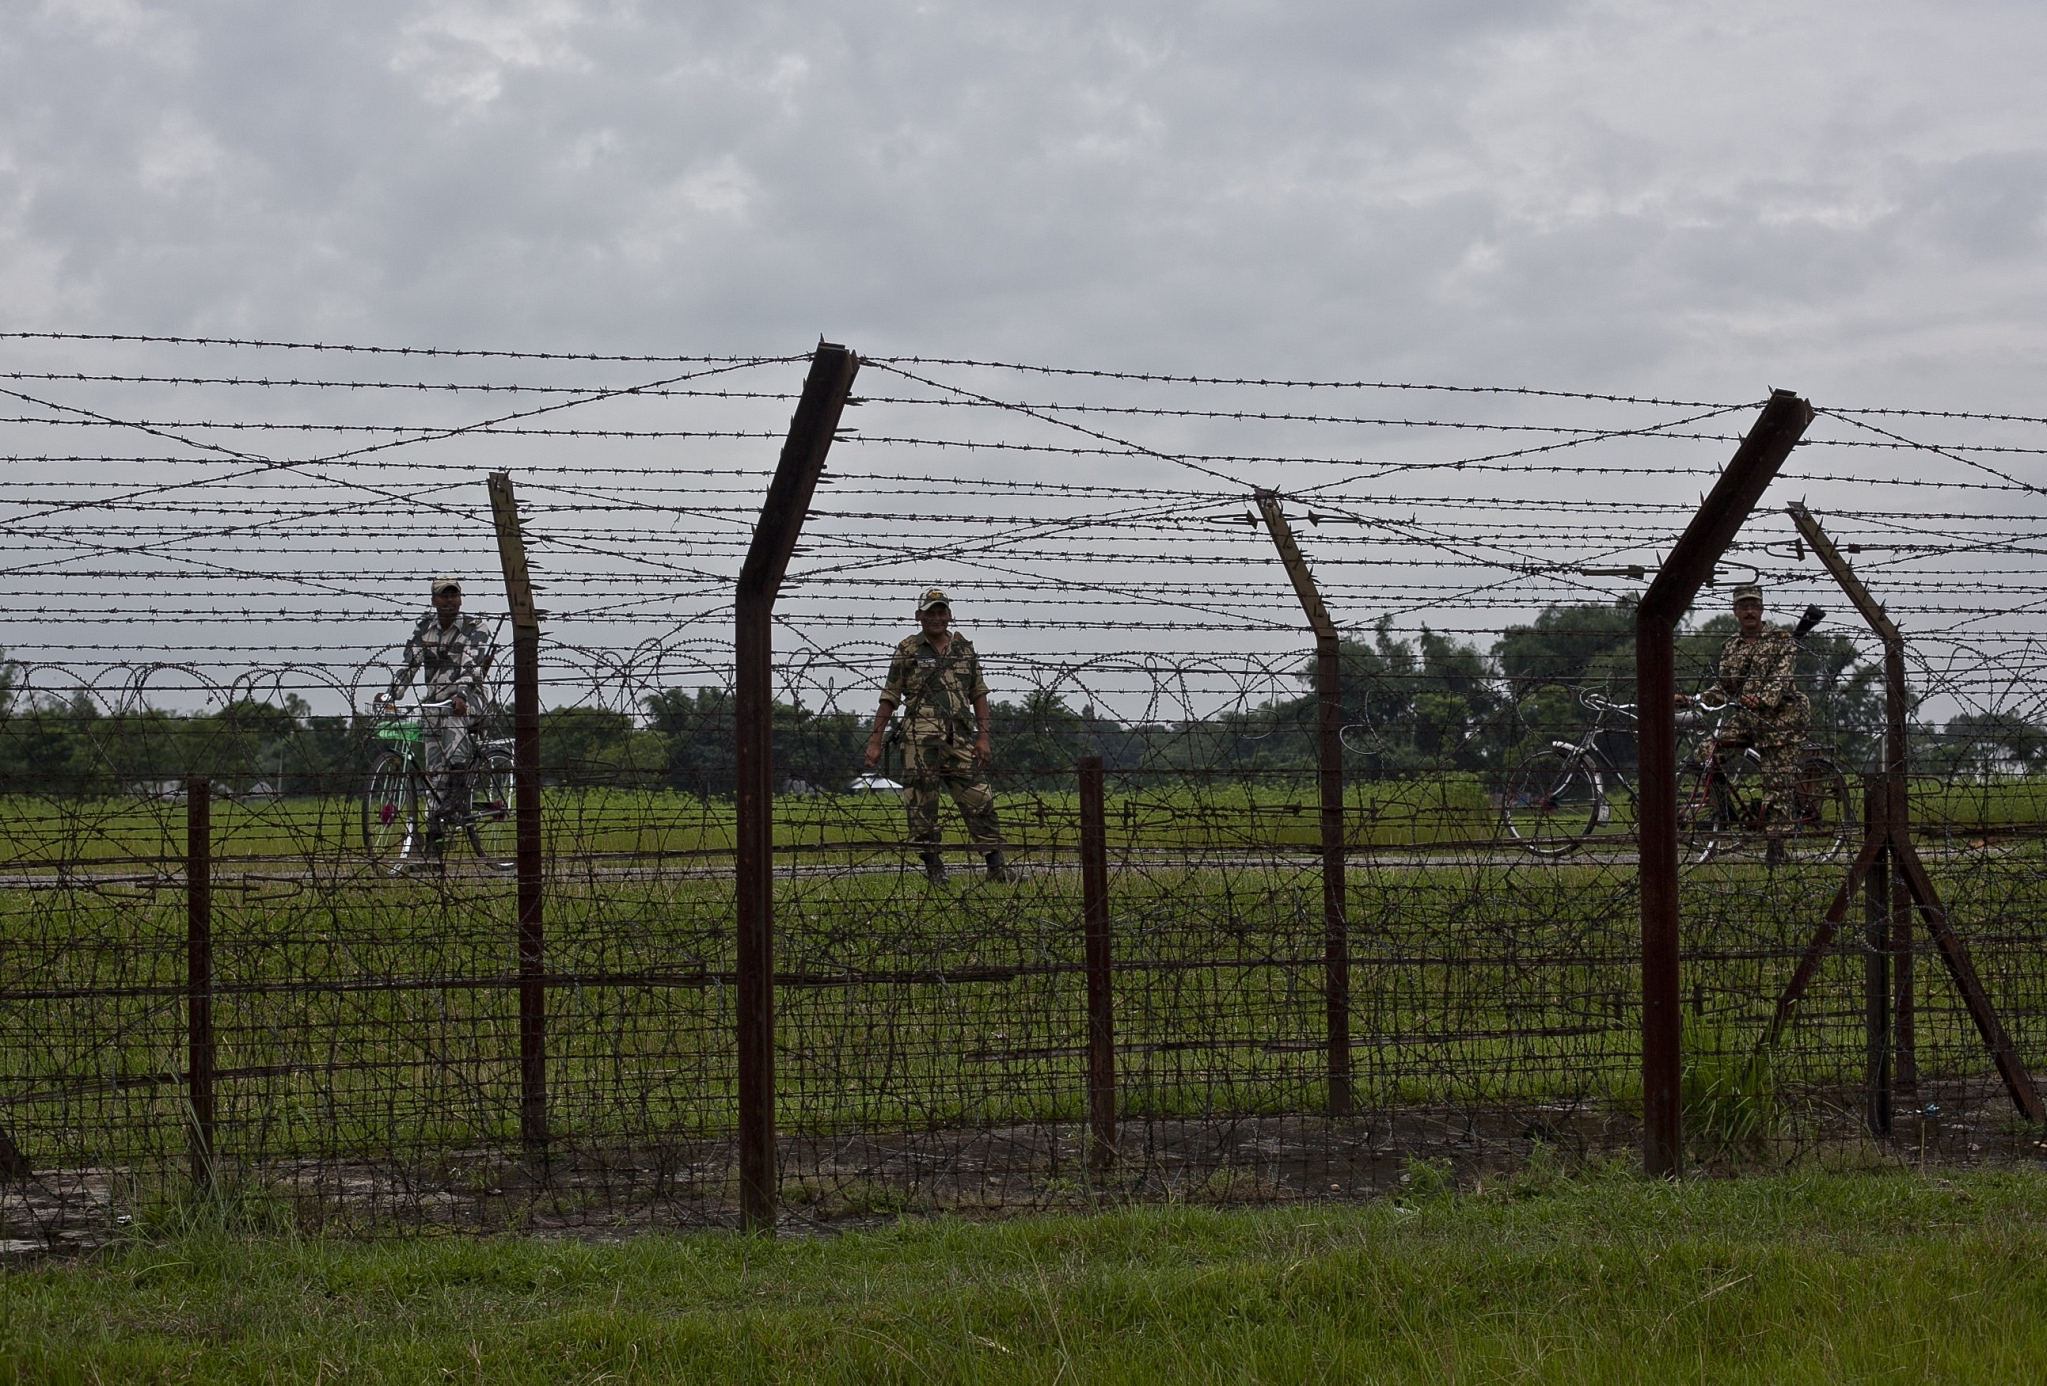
point(399, 731)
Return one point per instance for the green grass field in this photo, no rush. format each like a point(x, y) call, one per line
point(367, 1017)
point(1803, 1278)
point(1418, 813)
point(650, 822)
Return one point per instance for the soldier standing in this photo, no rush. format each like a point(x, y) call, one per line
point(935, 677)
point(1757, 669)
point(454, 652)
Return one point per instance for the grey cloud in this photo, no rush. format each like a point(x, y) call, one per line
point(1577, 192)
point(1986, 206)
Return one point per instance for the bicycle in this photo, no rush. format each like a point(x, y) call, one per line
point(1720, 805)
point(400, 797)
point(1555, 800)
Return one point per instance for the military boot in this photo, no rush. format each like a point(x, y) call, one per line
point(998, 867)
point(934, 869)
point(1773, 855)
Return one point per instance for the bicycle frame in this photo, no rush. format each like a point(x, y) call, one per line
point(404, 792)
point(1588, 744)
point(1556, 800)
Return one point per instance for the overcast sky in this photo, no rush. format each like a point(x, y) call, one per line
point(1844, 198)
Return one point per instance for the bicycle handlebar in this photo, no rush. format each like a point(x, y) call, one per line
point(422, 705)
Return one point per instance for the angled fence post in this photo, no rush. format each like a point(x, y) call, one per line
point(1329, 778)
point(1101, 1000)
point(1897, 799)
point(811, 428)
point(504, 509)
point(1719, 518)
point(1910, 888)
point(199, 1050)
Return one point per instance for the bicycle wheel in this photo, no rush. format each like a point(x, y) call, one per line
point(390, 808)
point(1705, 816)
point(1553, 802)
point(493, 826)
point(1823, 814)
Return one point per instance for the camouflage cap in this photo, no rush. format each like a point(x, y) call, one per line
point(1746, 591)
point(932, 597)
point(443, 583)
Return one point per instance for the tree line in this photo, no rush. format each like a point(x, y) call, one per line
point(1411, 705)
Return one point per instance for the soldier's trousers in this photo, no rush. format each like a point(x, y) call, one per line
point(931, 763)
point(446, 751)
point(1779, 749)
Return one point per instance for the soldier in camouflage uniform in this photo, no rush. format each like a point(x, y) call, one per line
point(453, 651)
point(1757, 665)
point(935, 677)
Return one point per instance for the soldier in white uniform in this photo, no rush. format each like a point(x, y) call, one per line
point(452, 653)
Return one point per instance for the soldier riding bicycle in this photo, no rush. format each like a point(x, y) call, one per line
point(453, 653)
point(1757, 672)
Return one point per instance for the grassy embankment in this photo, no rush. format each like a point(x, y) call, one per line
point(1806, 1278)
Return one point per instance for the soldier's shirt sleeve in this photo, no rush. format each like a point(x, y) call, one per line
point(898, 673)
point(415, 655)
point(475, 651)
point(976, 685)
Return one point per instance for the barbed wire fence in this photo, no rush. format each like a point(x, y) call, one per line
point(219, 546)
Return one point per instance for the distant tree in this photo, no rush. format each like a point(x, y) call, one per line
point(1985, 744)
point(1847, 693)
point(1571, 645)
point(585, 745)
point(1037, 741)
point(821, 749)
point(47, 744)
point(699, 729)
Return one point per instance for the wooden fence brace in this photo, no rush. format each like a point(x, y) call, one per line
point(1329, 760)
point(504, 508)
point(199, 1047)
point(1876, 960)
point(1101, 1001)
point(1719, 518)
point(811, 429)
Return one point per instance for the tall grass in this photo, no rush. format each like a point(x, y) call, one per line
point(1597, 1278)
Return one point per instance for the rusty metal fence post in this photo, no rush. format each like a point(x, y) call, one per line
point(811, 429)
point(504, 506)
point(1329, 784)
point(199, 1048)
point(1101, 1001)
point(1876, 964)
point(1719, 518)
